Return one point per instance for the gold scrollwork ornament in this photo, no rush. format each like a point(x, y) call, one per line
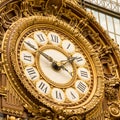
point(114, 109)
point(55, 64)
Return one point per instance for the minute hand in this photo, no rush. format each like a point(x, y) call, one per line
point(42, 53)
point(63, 62)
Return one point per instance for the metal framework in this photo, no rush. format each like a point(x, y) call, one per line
point(109, 8)
point(108, 4)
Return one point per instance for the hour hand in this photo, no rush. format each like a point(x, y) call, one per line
point(67, 70)
point(49, 58)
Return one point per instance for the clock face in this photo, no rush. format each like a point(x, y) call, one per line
point(56, 67)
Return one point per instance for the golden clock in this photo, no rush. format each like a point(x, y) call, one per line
point(55, 63)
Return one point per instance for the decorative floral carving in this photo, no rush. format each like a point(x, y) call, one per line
point(111, 84)
point(76, 117)
point(32, 7)
point(40, 113)
point(111, 93)
point(97, 46)
point(107, 115)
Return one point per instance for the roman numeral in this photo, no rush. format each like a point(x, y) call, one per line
point(72, 95)
point(54, 38)
point(68, 46)
point(79, 59)
point(43, 87)
point(31, 73)
point(41, 37)
point(81, 87)
point(27, 58)
point(58, 95)
point(84, 74)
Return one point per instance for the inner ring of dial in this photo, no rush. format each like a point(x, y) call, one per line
point(44, 67)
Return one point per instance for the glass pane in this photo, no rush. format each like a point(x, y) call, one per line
point(117, 25)
point(118, 40)
point(95, 13)
point(103, 20)
point(114, 0)
point(110, 24)
point(88, 9)
point(112, 36)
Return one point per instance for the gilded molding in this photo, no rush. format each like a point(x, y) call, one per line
point(68, 15)
point(3, 91)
